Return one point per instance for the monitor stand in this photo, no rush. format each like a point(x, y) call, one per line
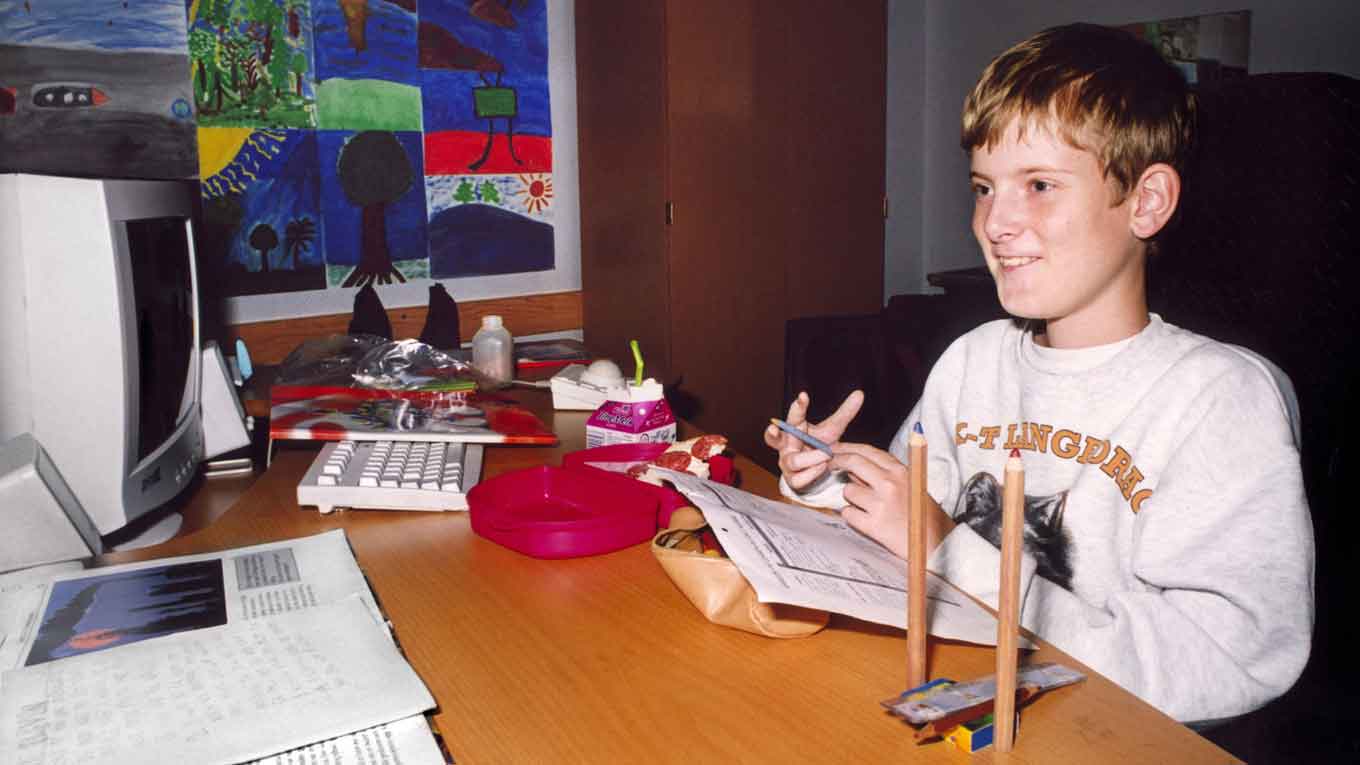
point(151, 530)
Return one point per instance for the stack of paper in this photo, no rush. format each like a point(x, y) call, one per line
point(276, 651)
point(795, 555)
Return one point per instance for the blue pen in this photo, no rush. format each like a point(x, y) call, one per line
point(812, 441)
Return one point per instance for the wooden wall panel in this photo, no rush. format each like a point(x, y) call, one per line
point(271, 341)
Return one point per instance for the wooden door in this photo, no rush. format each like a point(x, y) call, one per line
point(625, 292)
point(775, 156)
point(761, 122)
point(834, 225)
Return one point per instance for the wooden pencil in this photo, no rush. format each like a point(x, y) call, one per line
point(1008, 600)
point(917, 627)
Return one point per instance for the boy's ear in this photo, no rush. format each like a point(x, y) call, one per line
point(1154, 199)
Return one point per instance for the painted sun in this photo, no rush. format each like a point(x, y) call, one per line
point(230, 158)
point(535, 192)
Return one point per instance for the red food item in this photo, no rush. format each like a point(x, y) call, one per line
point(636, 470)
point(707, 446)
point(673, 461)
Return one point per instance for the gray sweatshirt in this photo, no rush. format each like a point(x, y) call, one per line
point(1168, 540)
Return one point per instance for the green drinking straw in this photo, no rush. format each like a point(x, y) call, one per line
point(637, 359)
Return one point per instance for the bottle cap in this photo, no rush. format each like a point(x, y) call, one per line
point(491, 322)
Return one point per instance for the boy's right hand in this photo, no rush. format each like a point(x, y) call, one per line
point(799, 463)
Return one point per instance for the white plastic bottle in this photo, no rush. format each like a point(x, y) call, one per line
point(491, 350)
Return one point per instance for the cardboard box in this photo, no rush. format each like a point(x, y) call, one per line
point(644, 417)
point(973, 735)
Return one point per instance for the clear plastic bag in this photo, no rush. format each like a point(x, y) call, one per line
point(369, 361)
point(413, 365)
point(327, 360)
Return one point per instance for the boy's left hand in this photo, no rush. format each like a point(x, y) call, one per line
point(879, 498)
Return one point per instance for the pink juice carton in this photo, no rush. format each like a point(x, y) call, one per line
point(632, 414)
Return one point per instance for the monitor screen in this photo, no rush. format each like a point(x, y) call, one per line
point(164, 309)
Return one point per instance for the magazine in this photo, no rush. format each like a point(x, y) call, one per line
point(263, 651)
point(361, 414)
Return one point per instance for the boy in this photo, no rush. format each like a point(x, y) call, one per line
point(1168, 543)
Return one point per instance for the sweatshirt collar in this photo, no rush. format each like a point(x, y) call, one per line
point(1077, 360)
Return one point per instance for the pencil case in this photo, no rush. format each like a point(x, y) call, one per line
point(689, 553)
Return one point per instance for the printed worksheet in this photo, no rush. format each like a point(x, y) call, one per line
point(225, 694)
point(794, 555)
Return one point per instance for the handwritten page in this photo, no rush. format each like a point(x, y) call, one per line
point(791, 554)
point(225, 694)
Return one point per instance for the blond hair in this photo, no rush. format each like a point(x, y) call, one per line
point(1101, 89)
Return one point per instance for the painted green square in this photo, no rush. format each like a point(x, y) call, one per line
point(494, 102)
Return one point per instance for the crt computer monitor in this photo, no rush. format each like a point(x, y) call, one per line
point(99, 336)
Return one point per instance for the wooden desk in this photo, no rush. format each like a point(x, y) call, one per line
point(602, 659)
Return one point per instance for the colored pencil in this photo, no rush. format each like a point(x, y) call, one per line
point(1008, 601)
point(806, 438)
point(917, 626)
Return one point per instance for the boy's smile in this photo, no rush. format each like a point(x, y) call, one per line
point(1055, 243)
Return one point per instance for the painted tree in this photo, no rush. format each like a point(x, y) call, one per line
point(234, 52)
point(264, 239)
point(202, 49)
point(374, 172)
point(297, 238)
point(212, 26)
point(465, 193)
point(297, 65)
point(489, 193)
point(294, 17)
point(356, 23)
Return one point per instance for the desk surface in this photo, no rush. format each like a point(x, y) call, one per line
point(602, 659)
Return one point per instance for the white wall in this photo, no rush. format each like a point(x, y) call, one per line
point(930, 73)
point(566, 215)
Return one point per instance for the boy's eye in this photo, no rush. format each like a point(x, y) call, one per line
point(1041, 185)
point(980, 191)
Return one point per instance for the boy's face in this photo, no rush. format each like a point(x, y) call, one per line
point(1055, 244)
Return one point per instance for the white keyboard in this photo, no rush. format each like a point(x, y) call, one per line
point(392, 475)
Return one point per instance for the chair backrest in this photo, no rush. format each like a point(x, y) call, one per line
point(830, 356)
point(1265, 253)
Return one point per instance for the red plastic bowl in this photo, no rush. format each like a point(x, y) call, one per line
point(551, 512)
point(719, 468)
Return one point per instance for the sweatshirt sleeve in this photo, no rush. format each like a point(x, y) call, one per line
point(1219, 618)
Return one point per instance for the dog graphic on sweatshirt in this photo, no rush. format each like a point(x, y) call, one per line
point(979, 506)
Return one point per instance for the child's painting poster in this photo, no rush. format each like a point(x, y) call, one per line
point(399, 142)
point(488, 137)
point(95, 88)
point(339, 143)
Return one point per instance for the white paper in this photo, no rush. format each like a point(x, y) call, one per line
point(405, 742)
point(258, 581)
point(222, 694)
point(794, 555)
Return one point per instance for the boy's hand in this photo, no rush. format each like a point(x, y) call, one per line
point(799, 463)
point(879, 496)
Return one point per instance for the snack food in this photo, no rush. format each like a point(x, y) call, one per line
point(689, 456)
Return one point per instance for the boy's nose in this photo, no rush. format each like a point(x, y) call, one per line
point(1001, 220)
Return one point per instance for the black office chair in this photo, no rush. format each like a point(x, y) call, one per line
point(1265, 253)
point(830, 356)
